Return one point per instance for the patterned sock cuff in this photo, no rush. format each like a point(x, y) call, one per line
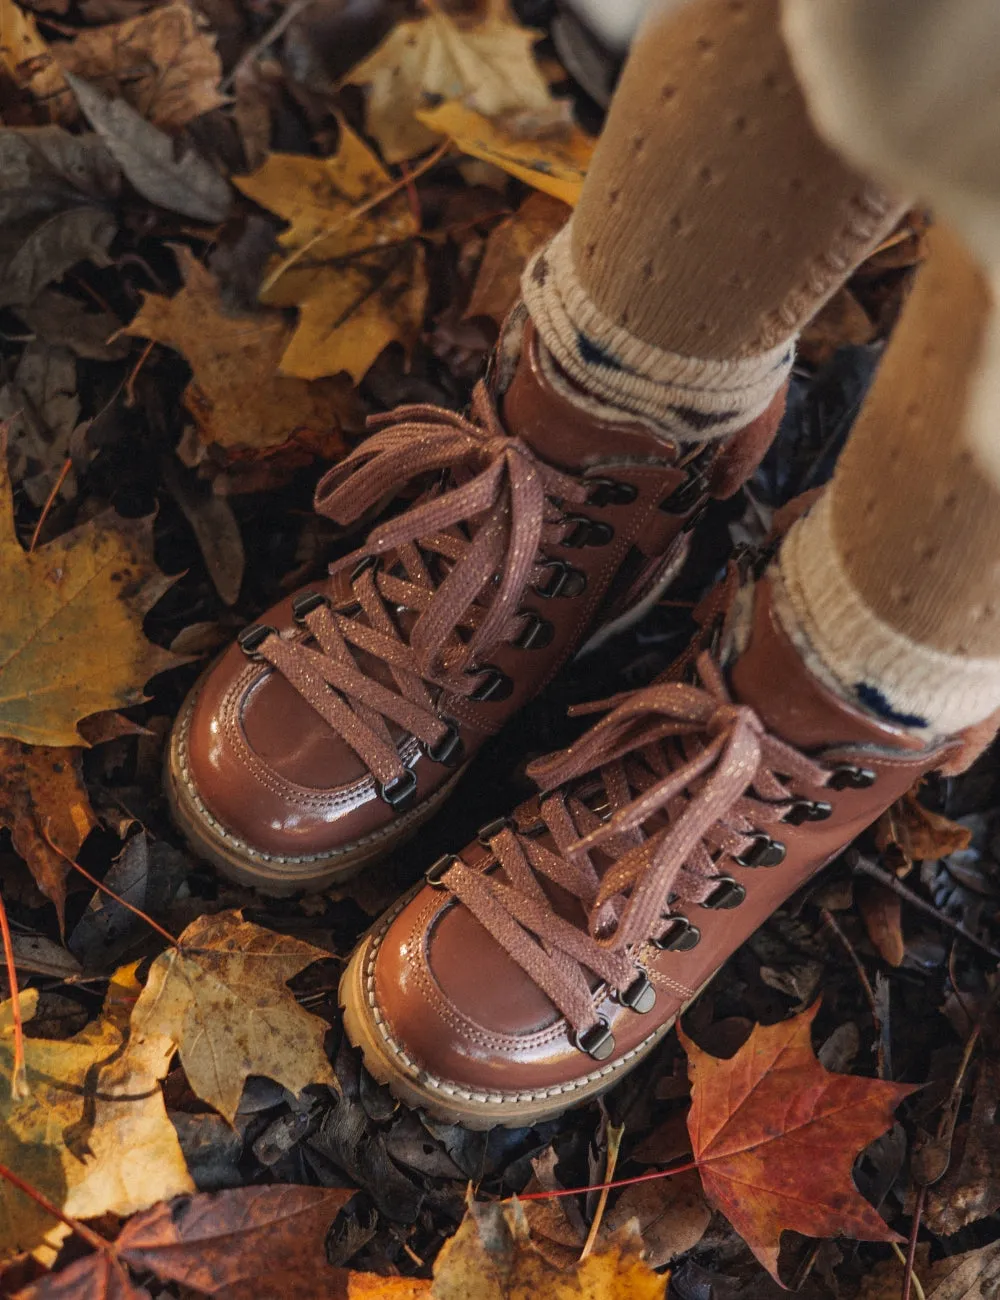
point(689, 398)
point(854, 653)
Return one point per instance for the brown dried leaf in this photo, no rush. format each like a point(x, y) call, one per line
point(486, 62)
point(972, 1276)
point(28, 60)
point(41, 791)
point(882, 914)
point(840, 322)
point(672, 1214)
point(162, 62)
point(908, 832)
point(222, 1000)
point(71, 639)
point(41, 408)
point(238, 398)
point(508, 249)
point(96, 1277)
point(971, 1190)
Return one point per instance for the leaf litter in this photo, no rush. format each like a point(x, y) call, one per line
point(223, 241)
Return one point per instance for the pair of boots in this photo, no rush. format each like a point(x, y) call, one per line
point(534, 968)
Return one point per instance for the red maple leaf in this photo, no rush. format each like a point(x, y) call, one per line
point(776, 1135)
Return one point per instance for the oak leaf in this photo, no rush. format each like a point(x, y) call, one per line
point(352, 265)
point(92, 1135)
point(222, 1001)
point(486, 62)
point(162, 62)
point(492, 1257)
point(508, 250)
point(71, 640)
point(236, 395)
point(776, 1135)
point(43, 803)
point(552, 158)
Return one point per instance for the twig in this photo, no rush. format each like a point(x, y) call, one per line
point(412, 196)
point(19, 1089)
point(911, 1249)
point(130, 382)
point(865, 867)
point(354, 213)
point(277, 28)
point(601, 1187)
point(842, 939)
point(67, 466)
point(81, 1229)
point(917, 1288)
point(615, 1134)
point(105, 889)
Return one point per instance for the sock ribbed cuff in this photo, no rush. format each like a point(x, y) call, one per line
point(689, 398)
point(853, 652)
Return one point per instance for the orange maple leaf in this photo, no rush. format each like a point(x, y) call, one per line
point(775, 1136)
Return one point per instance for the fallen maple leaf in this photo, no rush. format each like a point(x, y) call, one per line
point(96, 1277)
point(222, 1000)
point(552, 158)
point(43, 803)
point(28, 61)
point(163, 63)
point(353, 266)
point(492, 1257)
point(71, 640)
point(72, 1137)
point(486, 61)
point(776, 1135)
point(508, 250)
point(237, 397)
point(908, 832)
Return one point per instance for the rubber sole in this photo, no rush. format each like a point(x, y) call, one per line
point(449, 1102)
point(272, 875)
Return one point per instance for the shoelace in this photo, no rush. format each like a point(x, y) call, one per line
point(685, 779)
point(484, 523)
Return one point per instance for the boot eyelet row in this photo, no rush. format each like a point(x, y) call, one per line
point(728, 893)
point(807, 810)
point(494, 828)
point(611, 492)
point(400, 793)
point(640, 996)
point(847, 776)
point(763, 852)
point(252, 638)
point(680, 936)
point(434, 875)
point(586, 532)
point(304, 604)
point(536, 634)
point(495, 686)
point(449, 750)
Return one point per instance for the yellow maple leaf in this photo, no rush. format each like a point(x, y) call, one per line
point(492, 1257)
point(222, 1000)
point(93, 1134)
point(162, 62)
point(553, 160)
point(237, 397)
point(352, 264)
point(71, 640)
point(486, 62)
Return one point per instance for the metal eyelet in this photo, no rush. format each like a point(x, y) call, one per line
point(366, 562)
point(495, 686)
point(494, 828)
point(305, 602)
point(434, 874)
point(565, 581)
point(534, 830)
point(807, 810)
point(681, 936)
point(728, 893)
point(587, 532)
point(449, 750)
point(611, 492)
point(763, 852)
point(400, 793)
point(640, 996)
point(848, 777)
point(536, 634)
point(598, 1041)
point(252, 638)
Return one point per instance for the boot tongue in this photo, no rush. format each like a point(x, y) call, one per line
point(564, 433)
point(794, 705)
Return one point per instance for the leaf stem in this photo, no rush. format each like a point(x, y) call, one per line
point(19, 1089)
point(81, 1229)
point(911, 1249)
point(105, 889)
point(67, 466)
point(620, 1182)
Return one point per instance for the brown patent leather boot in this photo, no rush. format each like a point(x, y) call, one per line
point(535, 969)
point(337, 725)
